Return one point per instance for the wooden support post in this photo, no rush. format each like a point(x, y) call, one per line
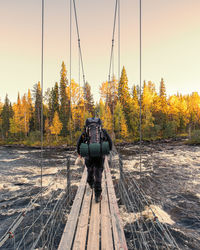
point(68, 180)
point(120, 167)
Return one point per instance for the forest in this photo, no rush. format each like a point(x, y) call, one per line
point(66, 107)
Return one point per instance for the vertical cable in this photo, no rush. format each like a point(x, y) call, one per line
point(70, 70)
point(42, 78)
point(79, 80)
point(113, 41)
point(140, 23)
point(118, 40)
point(79, 73)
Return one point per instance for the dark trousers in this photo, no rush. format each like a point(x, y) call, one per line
point(95, 169)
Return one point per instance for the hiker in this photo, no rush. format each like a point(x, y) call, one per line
point(93, 144)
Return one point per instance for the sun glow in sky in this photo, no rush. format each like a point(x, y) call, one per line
point(170, 43)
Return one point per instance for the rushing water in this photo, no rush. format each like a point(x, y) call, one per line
point(20, 180)
point(170, 176)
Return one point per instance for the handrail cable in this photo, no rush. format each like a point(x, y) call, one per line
point(113, 37)
point(21, 216)
point(119, 41)
point(79, 42)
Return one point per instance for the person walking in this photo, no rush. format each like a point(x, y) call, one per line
point(93, 138)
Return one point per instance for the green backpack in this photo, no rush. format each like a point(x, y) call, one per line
point(95, 146)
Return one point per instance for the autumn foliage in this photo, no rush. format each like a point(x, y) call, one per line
point(66, 107)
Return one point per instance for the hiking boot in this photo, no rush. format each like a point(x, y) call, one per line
point(98, 198)
point(91, 185)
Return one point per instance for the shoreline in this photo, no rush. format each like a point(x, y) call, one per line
point(178, 141)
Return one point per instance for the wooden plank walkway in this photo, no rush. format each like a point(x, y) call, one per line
point(94, 225)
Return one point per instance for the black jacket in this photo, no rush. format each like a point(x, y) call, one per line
point(83, 139)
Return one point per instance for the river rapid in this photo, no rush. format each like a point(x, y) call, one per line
point(170, 175)
point(20, 182)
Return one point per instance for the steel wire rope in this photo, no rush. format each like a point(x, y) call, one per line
point(140, 126)
point(38, 217)
point(143, 194)
point(113, 40)
point(171, 241)
point(49, 201)
point(143, 220)
point(143, 242)
point(141, 191)
point(54, 219)
point(41, 115)
point(20, 217)
point(53, 215)
point(138, 209)
point(79, 41)
point(41, 232)
point(119, 41)
point(56, 213)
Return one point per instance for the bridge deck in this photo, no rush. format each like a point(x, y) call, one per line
point(94, 225)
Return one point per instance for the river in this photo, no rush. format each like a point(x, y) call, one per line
point(170, 175)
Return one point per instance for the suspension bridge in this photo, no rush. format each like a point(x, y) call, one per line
point(42, 224)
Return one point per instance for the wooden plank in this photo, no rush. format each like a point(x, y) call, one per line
point(118, 232)
point(93, 237)
point(106, 230)
point(81, 234)
point(69, 230)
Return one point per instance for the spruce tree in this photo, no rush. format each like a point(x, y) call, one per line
point(1, 108)
point(38, 105)
point(31, 112)
point(162, 89)
point(123, 90)
point(88, 98)
point(124, 96)
point(55, 98)
point(7, 113)
point(64, 100)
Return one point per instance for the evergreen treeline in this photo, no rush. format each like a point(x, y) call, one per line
point(118, 107)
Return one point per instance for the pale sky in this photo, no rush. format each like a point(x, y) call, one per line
point(170, 43)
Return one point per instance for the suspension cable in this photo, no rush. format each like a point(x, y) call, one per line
point(119, 40)
point(42, 79)
point(70, 70)
point(140, 24)
point(79, 42)
point(113, 37)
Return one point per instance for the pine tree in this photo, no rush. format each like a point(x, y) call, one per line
point(88, 98)
point(162, 89)
point(64, 100)
point(134, 113)
point(55, 98)
point(123, 90)
point(160, 110)
point(1, 108)
point(30, 111)
point(38, 105)
point(7, 113)
point(147, 116)
point(124, 97)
